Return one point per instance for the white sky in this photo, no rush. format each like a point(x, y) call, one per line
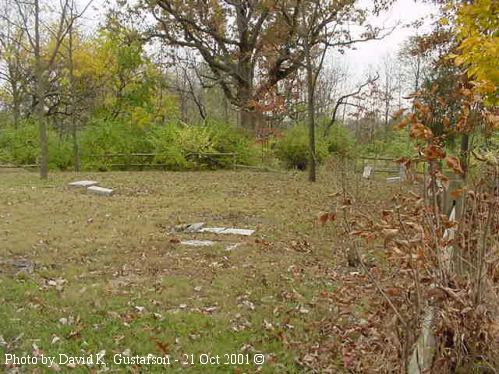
point(370, 54)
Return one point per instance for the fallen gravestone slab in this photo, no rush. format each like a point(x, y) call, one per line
point(83, 184)
point(194, 227)
point(19, 265)
point(224, 230)
point(199, 227)
point(393, 179)
point(232, 246)
point(198, 243)
point(100, 191)
point(214, 230)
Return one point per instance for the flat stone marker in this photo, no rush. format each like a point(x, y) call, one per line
point(194, 227)
point(198, 243)
point(22, 265)
point(393, 179)
point(224, 230)
point(367, 172)
point(215, 230)
point(100, 191)
point(83, 184)
point(232, 247)
point(245, 232)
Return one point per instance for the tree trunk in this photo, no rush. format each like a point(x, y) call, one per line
point(16, 107)
point(246, 111)
point(465, 144)
point(248, 119)
point(74, 124)
point(312, 174)
point(40, 96)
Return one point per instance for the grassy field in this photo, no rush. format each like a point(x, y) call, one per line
point(109, 274)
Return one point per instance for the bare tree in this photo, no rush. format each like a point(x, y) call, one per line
point(30, 22)
point(15, 70)
point(320, 29)
point(343, 99)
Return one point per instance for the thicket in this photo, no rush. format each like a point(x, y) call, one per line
point(20, 145)
point(177, 146)
point(293, 148)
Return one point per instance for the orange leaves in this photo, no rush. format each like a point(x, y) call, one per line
point(433, 152)
point(420, 131)
point(446, 122)
point(424, 110)
point(324, 218)
point(398, 113)
point(454, 164)
point(402, 124)
point(457, 193)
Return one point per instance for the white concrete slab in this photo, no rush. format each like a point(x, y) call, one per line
point(198, 243)
point(232, 247)
point(245, 232)
point(96, 190)
point(83, 184)
point(225, 230)
point(393, 179)
point(215, 230)
point(194, 227)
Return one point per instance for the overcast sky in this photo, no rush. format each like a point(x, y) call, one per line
point(370, 54)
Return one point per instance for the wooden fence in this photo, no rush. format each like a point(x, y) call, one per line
point(127, 161)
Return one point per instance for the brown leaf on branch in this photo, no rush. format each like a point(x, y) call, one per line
point(398, 113)
point(444, 180)
point(454, 164)
point(402, 124)
point(433, 152)
point(420, 131)
point(457, 193)
point(446, 122)
point(325, 217)
point(404, 161)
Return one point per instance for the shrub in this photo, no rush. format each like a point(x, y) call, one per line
point(390, 143)
point(182, 147)
point(164, 142)
point(178, 146)
point(339, 140)
point(102, 137)
point(227, 139)
point(21, 146)
point(293, 148)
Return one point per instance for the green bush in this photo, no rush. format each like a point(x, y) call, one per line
point(102, 137)
point(390, 143)
point(188, 147)
point(179, 147)
point(21, 146)
point(339, 140)
point(293, 148)
point(227, 139)
point(164, 142)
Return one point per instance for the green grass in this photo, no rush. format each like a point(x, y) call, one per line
point(130, 287)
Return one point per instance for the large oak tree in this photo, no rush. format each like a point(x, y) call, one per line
point(251, 45)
